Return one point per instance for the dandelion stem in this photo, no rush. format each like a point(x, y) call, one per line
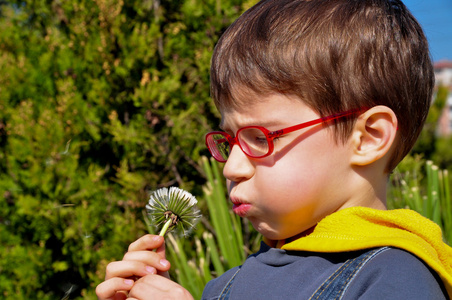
point(165, 227)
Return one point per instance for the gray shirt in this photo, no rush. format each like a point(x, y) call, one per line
point(279, 274)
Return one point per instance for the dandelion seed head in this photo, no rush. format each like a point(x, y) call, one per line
point(175, 204)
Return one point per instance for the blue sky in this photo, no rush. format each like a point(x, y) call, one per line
point(435, 17)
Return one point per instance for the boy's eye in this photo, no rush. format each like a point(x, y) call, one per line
point(261, 139)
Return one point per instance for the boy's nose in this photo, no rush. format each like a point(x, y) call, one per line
point(239, 166)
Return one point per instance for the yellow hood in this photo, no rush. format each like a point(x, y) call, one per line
point(360, 228)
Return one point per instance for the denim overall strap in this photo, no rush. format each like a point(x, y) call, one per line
point(227, 289)
point(336, 285)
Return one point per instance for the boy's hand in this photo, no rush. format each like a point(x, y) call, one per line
point(138, 262)
point(157, 287)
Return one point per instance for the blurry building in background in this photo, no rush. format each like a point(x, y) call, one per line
point(443, 77)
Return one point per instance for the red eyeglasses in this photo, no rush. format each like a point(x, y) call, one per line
point(257, 141)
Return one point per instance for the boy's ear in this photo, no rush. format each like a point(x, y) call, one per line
point(373, 135)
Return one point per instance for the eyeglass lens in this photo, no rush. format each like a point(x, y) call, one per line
point(219, 146)
point(252, 141)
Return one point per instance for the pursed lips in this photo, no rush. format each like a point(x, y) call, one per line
point(240, 207)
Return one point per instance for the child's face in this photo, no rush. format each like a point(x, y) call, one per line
point(304, 179)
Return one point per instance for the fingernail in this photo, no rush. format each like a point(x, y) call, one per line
point(164, 263)
point(128, 281)
point(156, 238)
point(150, 270)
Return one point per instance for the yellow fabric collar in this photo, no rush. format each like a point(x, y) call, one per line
point(360, 228)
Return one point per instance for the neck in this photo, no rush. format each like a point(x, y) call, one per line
point(279, 243)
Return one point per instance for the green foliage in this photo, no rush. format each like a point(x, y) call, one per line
point(429, 143)
point(219, 245)
point(421, 186)
point(443, 153)
point(100, 102)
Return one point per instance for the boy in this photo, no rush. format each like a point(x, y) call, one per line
point(316, 191)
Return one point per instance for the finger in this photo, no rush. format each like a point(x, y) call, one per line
point(126, 269)
point(146, 242)
point(148, 258)
point(161, 250)
point(112, 288)
point(159, 287)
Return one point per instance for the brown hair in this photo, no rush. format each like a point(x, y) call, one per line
point(334, 55)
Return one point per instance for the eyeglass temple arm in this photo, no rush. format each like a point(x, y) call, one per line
point(280, 132)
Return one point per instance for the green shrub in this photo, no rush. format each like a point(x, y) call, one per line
point(100, 102)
